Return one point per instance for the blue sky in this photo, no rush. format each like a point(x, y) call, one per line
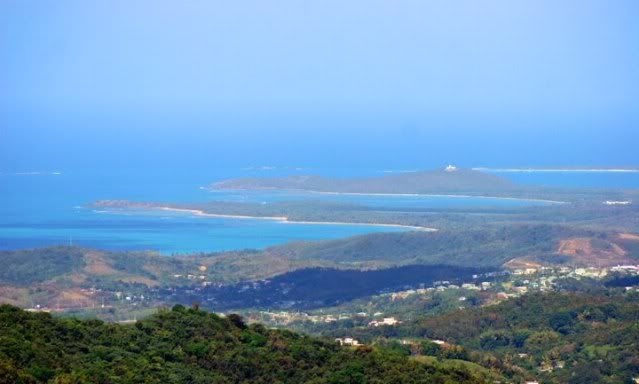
point(326, 83)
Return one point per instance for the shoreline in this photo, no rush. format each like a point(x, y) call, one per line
point(199, 212)
point(439, 195)
point(560, 170)
point(286, 220)
point(391, 194)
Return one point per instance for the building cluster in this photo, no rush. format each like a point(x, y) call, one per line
point(384, 321)
point(617, 202)
point(545, 278)
point(503, 285)
point(285, 318)
point(190, 277)
point(439, 286)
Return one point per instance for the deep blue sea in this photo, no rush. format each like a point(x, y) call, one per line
point(49, 208)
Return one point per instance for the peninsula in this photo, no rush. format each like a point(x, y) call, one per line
point(232, 211)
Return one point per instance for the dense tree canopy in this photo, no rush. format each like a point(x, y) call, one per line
point(555, 337)
point(192, 346)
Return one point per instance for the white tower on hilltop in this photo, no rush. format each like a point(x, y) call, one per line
point(450, 168)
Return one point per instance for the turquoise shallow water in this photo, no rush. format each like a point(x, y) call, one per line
point(169, 232)
point(48, 209)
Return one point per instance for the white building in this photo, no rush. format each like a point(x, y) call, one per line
point(347, 341)
point(614, 202)
point(385, 321)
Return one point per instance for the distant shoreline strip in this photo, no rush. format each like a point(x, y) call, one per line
point(31, 173)
point(391, 194)
point(559, 170)
point(439, 195)
point(286, 220)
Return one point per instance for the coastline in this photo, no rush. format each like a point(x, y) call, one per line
point(286, 220)
point(199, 212)
point(414, 227)
point(391, 194)
point(438, 195)
point(560, 170)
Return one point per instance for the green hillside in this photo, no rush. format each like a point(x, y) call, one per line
point(75, 265)
point(488, 247)
point(193, 346)
point(553, 337)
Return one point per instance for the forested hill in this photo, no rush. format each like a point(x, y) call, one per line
point(192, 346)
point(457, 181)
point(569, 338)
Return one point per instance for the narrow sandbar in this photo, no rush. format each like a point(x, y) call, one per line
point(286, 220)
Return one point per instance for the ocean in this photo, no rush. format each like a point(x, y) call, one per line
point(51, 208)
point(594, 178)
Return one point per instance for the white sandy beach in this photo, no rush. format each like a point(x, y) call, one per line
point(285, 220)
point(198, 212)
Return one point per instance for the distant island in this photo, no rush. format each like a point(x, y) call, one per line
point(451, 180)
